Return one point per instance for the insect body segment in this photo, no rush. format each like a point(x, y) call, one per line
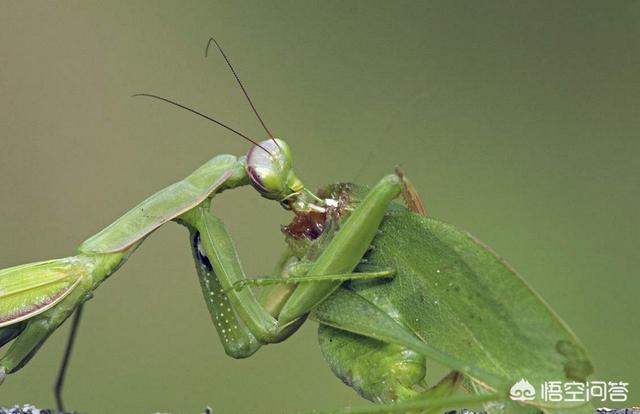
point(377, 370)
point(220, 173)
point(81, 274)
point(28, 290)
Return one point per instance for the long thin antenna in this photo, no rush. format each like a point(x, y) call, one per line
point(148, 95)
point(235, 74)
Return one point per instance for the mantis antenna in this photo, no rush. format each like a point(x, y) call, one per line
point(207, 117)
point(246, 94)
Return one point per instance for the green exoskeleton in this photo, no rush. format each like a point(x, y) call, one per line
point(388, 286)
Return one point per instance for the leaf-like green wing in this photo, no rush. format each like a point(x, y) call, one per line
point(28, 290)
point(457, 296)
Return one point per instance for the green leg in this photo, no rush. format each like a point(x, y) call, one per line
point(11, 332)
point(270, 281)
point(341, 256)
point(346, 249)
point(238, 342)
point(273, 297)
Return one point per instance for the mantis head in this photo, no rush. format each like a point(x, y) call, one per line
point(268, 163)
point(269, 168)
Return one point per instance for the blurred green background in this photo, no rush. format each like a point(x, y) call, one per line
point(517, 121)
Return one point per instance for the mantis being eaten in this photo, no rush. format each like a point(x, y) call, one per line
point(390, 287)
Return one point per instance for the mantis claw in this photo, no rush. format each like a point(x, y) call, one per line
point(3, 375)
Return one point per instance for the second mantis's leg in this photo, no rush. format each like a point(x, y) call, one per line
point(341, 256)
point(236, 339)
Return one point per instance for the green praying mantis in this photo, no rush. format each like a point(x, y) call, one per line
point(390, 287)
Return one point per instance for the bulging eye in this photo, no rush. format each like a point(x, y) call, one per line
point(270, 171)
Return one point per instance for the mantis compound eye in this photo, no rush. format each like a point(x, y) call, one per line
point(270, 171)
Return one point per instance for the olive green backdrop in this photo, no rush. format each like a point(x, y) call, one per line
point(517, 121)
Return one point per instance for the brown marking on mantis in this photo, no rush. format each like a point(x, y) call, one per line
point(410, 195)
point(37, 309)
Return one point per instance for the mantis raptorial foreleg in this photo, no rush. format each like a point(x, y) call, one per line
point(237, 343)
point(340, 257)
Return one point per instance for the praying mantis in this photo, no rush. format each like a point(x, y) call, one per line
point(389, 287)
